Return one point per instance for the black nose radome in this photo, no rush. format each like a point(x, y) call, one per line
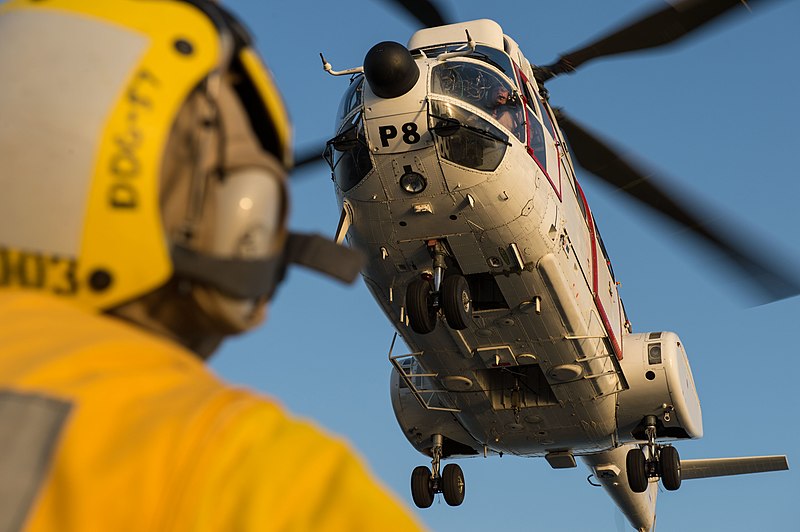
point(390, 70)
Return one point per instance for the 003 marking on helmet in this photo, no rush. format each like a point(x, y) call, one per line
point(38, 271)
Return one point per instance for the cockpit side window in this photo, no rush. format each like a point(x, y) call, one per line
point(535, 129)
point(528, 95)
point(352, 98)
point(603, 249)
point(481, 87)
point(348, 154)
point(546, 119)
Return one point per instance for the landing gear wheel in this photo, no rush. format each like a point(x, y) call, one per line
point(456, 301)
point(637, 470)
point(453, 484)
point(419, 305)
point(670, 464)
point(421, 487)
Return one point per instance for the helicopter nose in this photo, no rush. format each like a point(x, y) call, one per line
point(390, 70)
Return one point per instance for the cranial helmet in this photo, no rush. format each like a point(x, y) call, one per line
point(142, 141)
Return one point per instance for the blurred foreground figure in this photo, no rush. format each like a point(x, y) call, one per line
point(142, 220)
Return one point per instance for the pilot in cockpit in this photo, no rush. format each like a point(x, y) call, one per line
point(499, 104)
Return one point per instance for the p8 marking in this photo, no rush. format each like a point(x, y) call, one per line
point(399, 133)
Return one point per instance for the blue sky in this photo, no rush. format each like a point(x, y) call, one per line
point(716, 115)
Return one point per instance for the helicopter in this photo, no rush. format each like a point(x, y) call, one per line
point(473, 304)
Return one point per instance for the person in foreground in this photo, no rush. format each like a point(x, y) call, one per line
point(143, 220)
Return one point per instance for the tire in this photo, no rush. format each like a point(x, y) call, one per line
point(453, 486)
point(456, 302)
point(421, 488)
point(636, 467)
point(419, 306)
point(670, 464)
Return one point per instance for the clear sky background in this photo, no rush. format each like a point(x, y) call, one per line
point(717, 115)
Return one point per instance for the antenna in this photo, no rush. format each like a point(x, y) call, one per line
point(458, 53)
point(329, 69)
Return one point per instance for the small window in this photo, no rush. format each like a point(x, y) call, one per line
point(529, 95)
point(536, 143)
point(352, 164)
point(536, 140)
point(603, 248)
point(351, 99)
point(546, 119)
point(581, 201)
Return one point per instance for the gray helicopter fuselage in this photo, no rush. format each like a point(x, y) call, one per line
point(540, 366)
point(451, 171)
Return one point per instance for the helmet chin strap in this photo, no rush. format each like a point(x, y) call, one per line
point(254, 279)
point(325, 256)
point(199, 315)
point(311, 251)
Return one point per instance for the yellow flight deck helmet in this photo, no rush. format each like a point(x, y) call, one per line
point(90, 103)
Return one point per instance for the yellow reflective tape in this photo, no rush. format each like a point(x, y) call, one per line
point(266, 87)
point(123, 224)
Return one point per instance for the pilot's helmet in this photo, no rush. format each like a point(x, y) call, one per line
point(498, 93)
point(140, 141)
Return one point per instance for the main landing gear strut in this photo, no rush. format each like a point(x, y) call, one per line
point(427, 294)
point(425, 483)
point(663, 462)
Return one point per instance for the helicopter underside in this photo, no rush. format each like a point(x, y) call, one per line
point(534, 370)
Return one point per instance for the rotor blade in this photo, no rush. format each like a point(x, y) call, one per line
point(658, 28)
point(425, 11)
point(309, 157)
point(600, 159)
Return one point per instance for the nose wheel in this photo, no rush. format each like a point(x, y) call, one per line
point(456, 302)
point(663, 462)
point(426, 482)
point(425, 296)
point(420, 306)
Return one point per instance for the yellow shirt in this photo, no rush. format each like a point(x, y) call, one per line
point(116, 429)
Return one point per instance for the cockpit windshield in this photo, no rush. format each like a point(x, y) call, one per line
point(483, 88)
point(494, 57)
point(466, 139)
